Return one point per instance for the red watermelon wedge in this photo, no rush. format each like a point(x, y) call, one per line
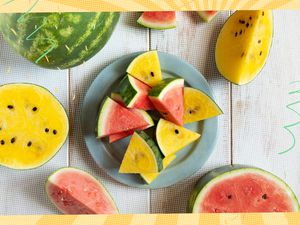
point(167, 97)
point(238, 189)
point(114, 118)
point(74, 191)
point(207, 15)
point(158, 20)
point(141, 113)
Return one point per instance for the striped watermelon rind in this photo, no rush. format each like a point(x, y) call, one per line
point(220, 173)
point(70, 38)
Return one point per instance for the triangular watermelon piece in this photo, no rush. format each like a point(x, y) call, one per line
point(158, 20)
point(143, 114)
point(135, 93)
point(114, 118)
point(207, 15)
point(167, 97)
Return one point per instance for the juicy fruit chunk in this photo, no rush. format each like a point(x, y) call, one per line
point(243, 45)
point(167, 97)
point(150, 177)
point(158, 20)
point(114, 118)
point(198, 106)
point(146, 68)
point(135, 93)
point(73, 191)
point(142, 155)
point(143, 114)
point(207, 15)
point(236, 189)
point(33, 126)
point(171, 138)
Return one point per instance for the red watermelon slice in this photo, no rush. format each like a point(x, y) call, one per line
point(74, 191)
point(167, 97)
point(158, 20)
point(114, 118)
point(207, 15)
point(237, 189)
point(141, 113)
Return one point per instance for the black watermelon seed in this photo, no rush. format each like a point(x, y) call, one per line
point(34, 109)
point(259, 41)
point(176, 131)
point(13, 140)
point(191, 112)
point(264, 196)
point(247, 25)
point(229, 196)
point(10, 106)
point(260, 53)
point(241, 32)
point(250, 18)
point(152, 74)
point(243, 54)
point(54, 132)
point(263, 13)
point(242, 21)
point(47, 130)
point(2, 142)
point(236, 33)
point(29, 143)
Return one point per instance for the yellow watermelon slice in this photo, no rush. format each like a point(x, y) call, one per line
point(142, 155)
point(243, 45)
point(171, 138)
point(146, 68)
point(198, 106)
point(114, 118)
point(33, 126)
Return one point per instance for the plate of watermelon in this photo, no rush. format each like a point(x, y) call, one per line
point(150, 120)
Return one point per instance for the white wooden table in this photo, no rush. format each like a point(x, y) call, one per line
point(251, 129)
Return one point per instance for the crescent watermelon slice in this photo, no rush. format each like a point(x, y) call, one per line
point(158, 20)
point(238, 189)
point(114, 118)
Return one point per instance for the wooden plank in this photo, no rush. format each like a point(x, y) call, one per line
point(128, 38)
point(194, 41)
point(259, 108)
point(22, 192)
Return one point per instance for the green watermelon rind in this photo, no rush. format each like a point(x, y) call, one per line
point(63, 142)
point(129, 91)
point(160, 90)
point(51, 178)
point(224, 172)
point(103, 114)
point(92, 35)
point(155, 149)
point(156, 26)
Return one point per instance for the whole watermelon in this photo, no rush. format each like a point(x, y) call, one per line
point(58, 40)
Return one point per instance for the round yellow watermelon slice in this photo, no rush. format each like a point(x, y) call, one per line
point(33, 126)
point(238, 189)
point(74, 191)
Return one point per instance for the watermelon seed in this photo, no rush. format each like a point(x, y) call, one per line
point(242, 21)
point(263, 13)
point(191, 112)
point(152, 74)
point(260, 53)
point(34, 109)
point(243, 54)
point(264, 196)
point(2, 142)
point(13, 140)
point(10, 106)
point(29, 144)
point(47, 130)
point(229, 196)
point(250, 18)
point(54, 132)
point(241, 32)
point(259, 41)
point(236, 34)
point(247, 25)
point(176, 131)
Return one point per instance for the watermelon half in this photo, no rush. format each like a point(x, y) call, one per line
point(167, 97)
point(158, 20)
point(74, 191)
point(114, 118)
point(237, 189)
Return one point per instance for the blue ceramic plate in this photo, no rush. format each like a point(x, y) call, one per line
point(109, 156)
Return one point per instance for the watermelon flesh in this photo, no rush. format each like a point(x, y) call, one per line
point(158, 20)
point(208, 15)
point(114, 118)
point(243, 190)
point(73, 191)
point(141, 113)
point(169, 100)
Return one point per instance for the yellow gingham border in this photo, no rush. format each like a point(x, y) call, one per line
point(158, 219)
point(143, 5)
